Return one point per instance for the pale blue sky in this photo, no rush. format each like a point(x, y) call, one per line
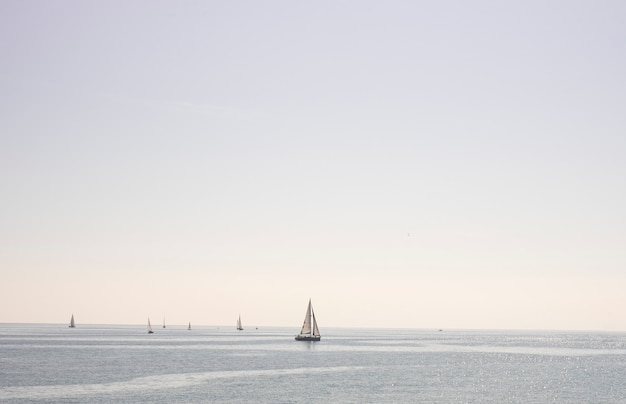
point(404, 164)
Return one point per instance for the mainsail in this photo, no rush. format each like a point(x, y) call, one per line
point(72, 323)
point(149, 327)
point(316, 331)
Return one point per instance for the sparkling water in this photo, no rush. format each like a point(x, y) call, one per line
point(123, 364)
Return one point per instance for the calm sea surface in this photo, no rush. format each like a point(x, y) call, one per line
point(123, 364)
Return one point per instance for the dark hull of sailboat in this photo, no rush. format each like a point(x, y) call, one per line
point(307, 338)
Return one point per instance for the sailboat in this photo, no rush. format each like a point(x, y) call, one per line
point(163, 321)
point(72, 323)
point(189, 328)
point(239, 327)
point(150, 327)
point(309, 331)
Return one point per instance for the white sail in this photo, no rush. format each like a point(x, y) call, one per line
point(189, 328)
point(163, 321)
point(316, 331)
point(72, 323)
point(306, 327)
point(149, 327)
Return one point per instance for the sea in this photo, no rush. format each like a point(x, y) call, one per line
point(51, 363)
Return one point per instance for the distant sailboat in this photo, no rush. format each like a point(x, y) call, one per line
point(239, 327)
point(309, 331)
point(189, 328)
point(72, 323)
point(150, 327)
point(163, 321)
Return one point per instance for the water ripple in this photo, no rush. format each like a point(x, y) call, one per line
point(151, 383)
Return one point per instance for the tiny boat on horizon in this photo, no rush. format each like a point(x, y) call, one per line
point(309, 331)
point(239, 327)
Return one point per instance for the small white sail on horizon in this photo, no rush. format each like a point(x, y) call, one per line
point(189, 328)
point(72, 323)
point(239, 327)
point(163, 321)
point(149, 327)
point(309, 331)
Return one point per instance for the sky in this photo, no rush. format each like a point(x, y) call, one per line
point(404, 164)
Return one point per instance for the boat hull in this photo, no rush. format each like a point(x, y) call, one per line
point(307, 338)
